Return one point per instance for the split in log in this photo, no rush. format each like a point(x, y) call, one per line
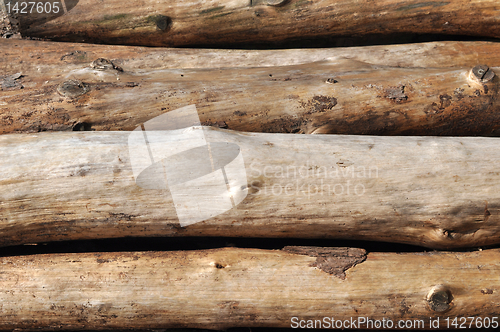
point(340, 95)
point(231, 287)
point(437, 192)
point(225, 22)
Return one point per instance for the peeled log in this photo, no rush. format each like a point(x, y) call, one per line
point(49, 59)
point(437, 192)
point(223, 22)
point(232, 287)
point(368, 91)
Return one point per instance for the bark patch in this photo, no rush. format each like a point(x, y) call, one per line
point(9, 26)
point(11, 82)
point(334, 261)
point(396, 94)
point(284, 124)
point(320, 104)
point(73, 89)
point(217, 124)
point(104, 64)
point(445, 101)
point(75, 57)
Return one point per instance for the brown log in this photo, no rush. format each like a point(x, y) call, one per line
point(46, 59)
point(223, 22)
point(428, 191)
point(233, 287)
point(352, 91)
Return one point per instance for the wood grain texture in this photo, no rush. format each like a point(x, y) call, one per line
point(223, 22)
point(232, 287)
point(52, 58)
point(429, 191)
point(393, 90)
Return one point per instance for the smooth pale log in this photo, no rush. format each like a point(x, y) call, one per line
point(429, 191)
point(347, 93)
point(223, 22)
point(44, 59)
point(232, 287)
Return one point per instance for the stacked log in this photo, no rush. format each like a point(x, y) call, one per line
point(224, 22)
point(428, 191)
point(231, 287)
point(359, 144)
point(372, 91)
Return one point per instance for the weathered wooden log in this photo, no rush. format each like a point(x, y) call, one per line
point(176, 23)
point(232, 287)
point(47, 60)
point(342, 94)
point(434, 192)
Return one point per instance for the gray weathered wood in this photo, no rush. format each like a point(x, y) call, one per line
point(434, 192)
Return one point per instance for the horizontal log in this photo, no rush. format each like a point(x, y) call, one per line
point(233, 287)
point(345, 93)
point(47, 59)
point(428, 191)
point(223, 22)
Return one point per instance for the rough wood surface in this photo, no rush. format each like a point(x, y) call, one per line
point(232, 287)
point(52, 59)
point(429, 191)
point(223, 22)
point(393, 90)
